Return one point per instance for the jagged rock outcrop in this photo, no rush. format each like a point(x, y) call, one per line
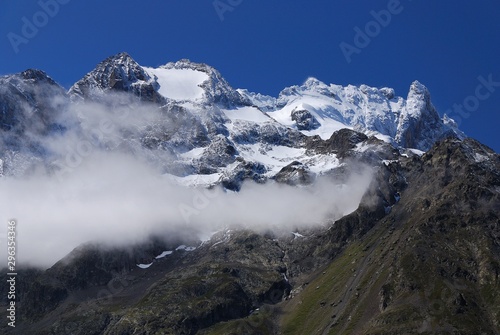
point(295, 173)
point(304, 119)
point(118, 73)
point(419, 124)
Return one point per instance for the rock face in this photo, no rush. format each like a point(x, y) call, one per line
point(420, 255)
point(304, 120)
point(119, 73)
point(429, 263)
point(428, 266)
point(30, 101)
point(295, 173)
point(32, 107)
point(419, 125)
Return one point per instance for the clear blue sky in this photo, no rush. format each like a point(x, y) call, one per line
point(267, 45)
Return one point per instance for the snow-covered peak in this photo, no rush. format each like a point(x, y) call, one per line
point(319, 109)
point(201, 131)
point(418, 88)
point(30, 98)
point(388, 92)
point(215, 88)
point(122, 58)
point(178, 81)
point(418, 100)
point(36, 76)
point(419, 124)
point(187, 64)
point(312, 83)
point(28, 78)
point(313, 108)
point(116, 73)
point(32, 106)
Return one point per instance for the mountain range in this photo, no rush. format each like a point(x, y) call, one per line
point(207, 128)
point(414, 248)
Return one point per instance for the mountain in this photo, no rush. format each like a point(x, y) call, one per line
point(179, 81)
point(419, 253)
point(26, 100)
point(430, 266)
point(205, 128)
point(31, 105)
point(319, 109)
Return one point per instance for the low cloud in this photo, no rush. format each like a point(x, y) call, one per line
point(118, 197)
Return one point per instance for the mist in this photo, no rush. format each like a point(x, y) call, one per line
point(107, 192)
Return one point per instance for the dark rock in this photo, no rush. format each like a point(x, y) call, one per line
point(118, 73)
point(295, 173)
point(304, 119)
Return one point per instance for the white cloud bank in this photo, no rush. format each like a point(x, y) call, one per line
point(119, 199)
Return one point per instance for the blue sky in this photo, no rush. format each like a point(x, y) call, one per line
point(452, 47)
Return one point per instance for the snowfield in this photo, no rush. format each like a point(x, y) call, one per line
point(179, 84)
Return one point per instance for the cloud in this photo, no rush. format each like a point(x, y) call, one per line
point(118, 197)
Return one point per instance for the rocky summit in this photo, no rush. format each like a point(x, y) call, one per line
point(418, 252)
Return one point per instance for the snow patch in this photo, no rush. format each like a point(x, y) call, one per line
point(417, 152)
point(225, 238)
point(285, 277)
point(321, 109)
point(388, 162)
point(247, 114)
point(193, 154)
point(480, 158)
point(185, 248)
point(179, 84)
point(362, 147)
point(196, 180)
point(144, 266)
point(274, 157)
point(163, 254)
